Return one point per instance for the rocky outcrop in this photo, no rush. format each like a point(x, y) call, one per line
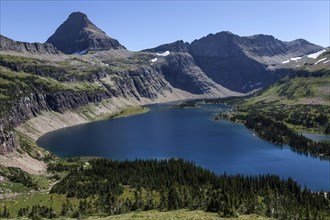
point(79, 35)
point(144, 82)
point(180, 70)
point(8, 143)
point(7, 44)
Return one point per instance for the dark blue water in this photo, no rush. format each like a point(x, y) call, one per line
point(191, 134)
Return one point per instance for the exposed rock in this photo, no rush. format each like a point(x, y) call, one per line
point(7, 44)
point(79, 35)
point(240, 63)
point(224, 61)
point(180, 70)
point(177, 46)
point(8, 143)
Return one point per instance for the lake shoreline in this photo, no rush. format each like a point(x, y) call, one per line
point(48, 121)
point(169, 132)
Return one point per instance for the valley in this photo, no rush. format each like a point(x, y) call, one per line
point(90, 129)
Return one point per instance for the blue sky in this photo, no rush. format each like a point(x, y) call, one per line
point(145, 24)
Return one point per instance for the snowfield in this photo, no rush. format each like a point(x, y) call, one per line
point(315, 55)
point(164, 54)
point(293, 59)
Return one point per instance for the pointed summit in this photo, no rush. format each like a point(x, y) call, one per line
point(79, 34)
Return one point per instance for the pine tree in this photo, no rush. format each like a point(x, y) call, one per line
point(150, 201)
point(173, 198)
point(138, 201)
point(162, 200)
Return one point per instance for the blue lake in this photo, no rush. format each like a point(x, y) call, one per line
point(191, 134)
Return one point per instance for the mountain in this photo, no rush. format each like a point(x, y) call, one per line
point(79, 35)
point(241, 63)
point(80, 67)
point(8, 44)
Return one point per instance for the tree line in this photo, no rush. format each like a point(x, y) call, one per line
point(181, 184)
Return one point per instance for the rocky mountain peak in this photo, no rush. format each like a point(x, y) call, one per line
point(78, 15)
point(79, 35)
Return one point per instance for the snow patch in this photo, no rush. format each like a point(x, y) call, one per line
point(315, 55)
point(321, 60)
point(153, 60)
point(81, 52)
point(164, 54)
point(326, 61)
point(293, 59)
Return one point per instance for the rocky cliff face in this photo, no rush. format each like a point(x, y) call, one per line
point(224, 61)
point(34, 48)
point(180, 70)
point(8, 143)
point(79, 35)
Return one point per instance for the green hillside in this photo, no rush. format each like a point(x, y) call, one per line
point(308, 84)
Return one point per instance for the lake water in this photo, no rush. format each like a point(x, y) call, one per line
point(191, 134)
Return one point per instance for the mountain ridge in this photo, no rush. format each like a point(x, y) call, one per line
point(8, 44)
point(241, 63)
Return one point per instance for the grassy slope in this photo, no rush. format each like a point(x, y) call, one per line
point(18, 78)
point(179, 214)
point(305, 92)
point(297, 88)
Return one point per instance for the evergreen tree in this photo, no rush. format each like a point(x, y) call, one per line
point(173, 198)
point(162, 200)
point(150, 201)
